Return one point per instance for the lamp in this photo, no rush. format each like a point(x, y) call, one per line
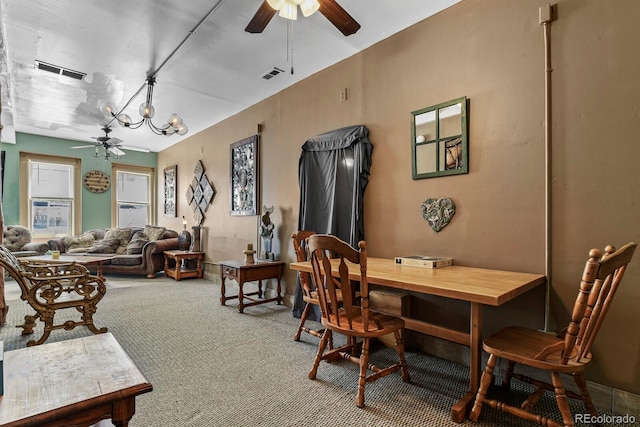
point(174, 123)
point(184, 238)
point(289, 8)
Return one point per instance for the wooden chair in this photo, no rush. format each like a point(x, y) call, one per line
point(352, 320)
point(309, 294)
point(565, 353)
point(51, 287)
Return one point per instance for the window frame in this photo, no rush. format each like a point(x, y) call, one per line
point(25, 190)
point(117, 168)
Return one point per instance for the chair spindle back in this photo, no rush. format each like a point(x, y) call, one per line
point(600, 280)
point(299, 247)
point(325, 252)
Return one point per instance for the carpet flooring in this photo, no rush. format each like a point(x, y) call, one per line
point(211, 366)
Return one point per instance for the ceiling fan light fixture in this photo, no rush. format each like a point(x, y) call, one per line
point(276, 4)
point(309, 7)
point(289, 10)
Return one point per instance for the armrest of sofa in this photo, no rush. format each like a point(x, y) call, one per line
point(40, 248)
point(56, 245)
point(154, 249)
point(159, 246)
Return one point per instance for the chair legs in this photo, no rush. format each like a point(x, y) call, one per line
point(47, 317)
point(302, 328)
point(561, 394)
point(350, 351)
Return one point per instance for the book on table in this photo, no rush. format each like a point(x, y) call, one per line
point(424, 261)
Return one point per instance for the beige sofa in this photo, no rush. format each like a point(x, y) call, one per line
point(135, 250)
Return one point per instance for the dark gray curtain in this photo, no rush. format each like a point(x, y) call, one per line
point(333, 173)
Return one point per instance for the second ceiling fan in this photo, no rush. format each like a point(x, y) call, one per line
point(339, 17)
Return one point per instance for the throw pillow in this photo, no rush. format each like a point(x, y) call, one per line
point(104, 246)
point(137, 243)
point(75, 243)
point(123, 235)
point(153, 232)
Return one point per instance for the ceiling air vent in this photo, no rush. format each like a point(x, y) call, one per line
point(60, 70)
point(272, 73)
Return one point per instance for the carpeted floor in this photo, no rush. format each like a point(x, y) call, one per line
point(211, 366)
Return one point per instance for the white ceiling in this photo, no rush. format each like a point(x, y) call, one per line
point(214, 75)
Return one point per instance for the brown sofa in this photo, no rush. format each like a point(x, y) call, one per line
point(136, 250)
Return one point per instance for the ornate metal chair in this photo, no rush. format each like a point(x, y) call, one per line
point(352, 320)
point(565, 353)
point(51, 287)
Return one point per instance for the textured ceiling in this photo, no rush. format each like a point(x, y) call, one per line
point(215, 74)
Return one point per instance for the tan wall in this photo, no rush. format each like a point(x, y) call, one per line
point(492, 53)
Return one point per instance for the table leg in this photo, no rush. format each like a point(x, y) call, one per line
point(260, 293)
point(223, 298)
point(278, 290)
point(178, 269)
point(122, 411)
point(199, 266)
point(99, 272)
point(460, 410)
point(240, 297)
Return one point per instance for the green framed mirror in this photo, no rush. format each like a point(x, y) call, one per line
point(439, 140)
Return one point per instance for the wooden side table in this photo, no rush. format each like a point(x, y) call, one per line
point(180, 271)
point(242, 272)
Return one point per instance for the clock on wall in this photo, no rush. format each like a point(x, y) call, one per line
point(96, 181)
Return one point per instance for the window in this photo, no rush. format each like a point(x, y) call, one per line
point(51, 205)
point(134, 201)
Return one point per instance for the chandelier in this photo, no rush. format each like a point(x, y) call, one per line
point(174, 124)
point(289, 8)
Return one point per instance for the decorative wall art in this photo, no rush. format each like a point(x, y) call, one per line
point(438, 213)
point(244, 177)
point(170, 177)
point(200, 193)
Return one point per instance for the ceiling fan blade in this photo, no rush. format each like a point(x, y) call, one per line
point(338, 17)
point(84, 146)
point(261, 18)
point(131, 148)
point(116, 151)
point(114, 141)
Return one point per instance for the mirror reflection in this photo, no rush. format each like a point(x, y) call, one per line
point(439, 140)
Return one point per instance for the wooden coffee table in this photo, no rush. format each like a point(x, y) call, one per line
point(73, 382)
point(66, 259)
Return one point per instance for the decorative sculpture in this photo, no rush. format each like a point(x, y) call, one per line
point(266, 232)
point(438, 213)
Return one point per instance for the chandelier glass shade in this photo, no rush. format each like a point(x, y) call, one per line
point(289, 8)
point(174, 125)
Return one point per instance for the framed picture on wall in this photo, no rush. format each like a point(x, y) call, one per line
point(244, 177)
point(170, 187)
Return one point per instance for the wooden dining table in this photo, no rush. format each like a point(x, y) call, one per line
point(478, 286)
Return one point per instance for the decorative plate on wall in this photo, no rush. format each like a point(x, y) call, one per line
point(96, 181)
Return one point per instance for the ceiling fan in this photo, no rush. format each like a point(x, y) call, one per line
point(288, 9)
point(112, 146)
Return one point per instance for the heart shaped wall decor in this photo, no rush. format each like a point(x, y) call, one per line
point(438, 213)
